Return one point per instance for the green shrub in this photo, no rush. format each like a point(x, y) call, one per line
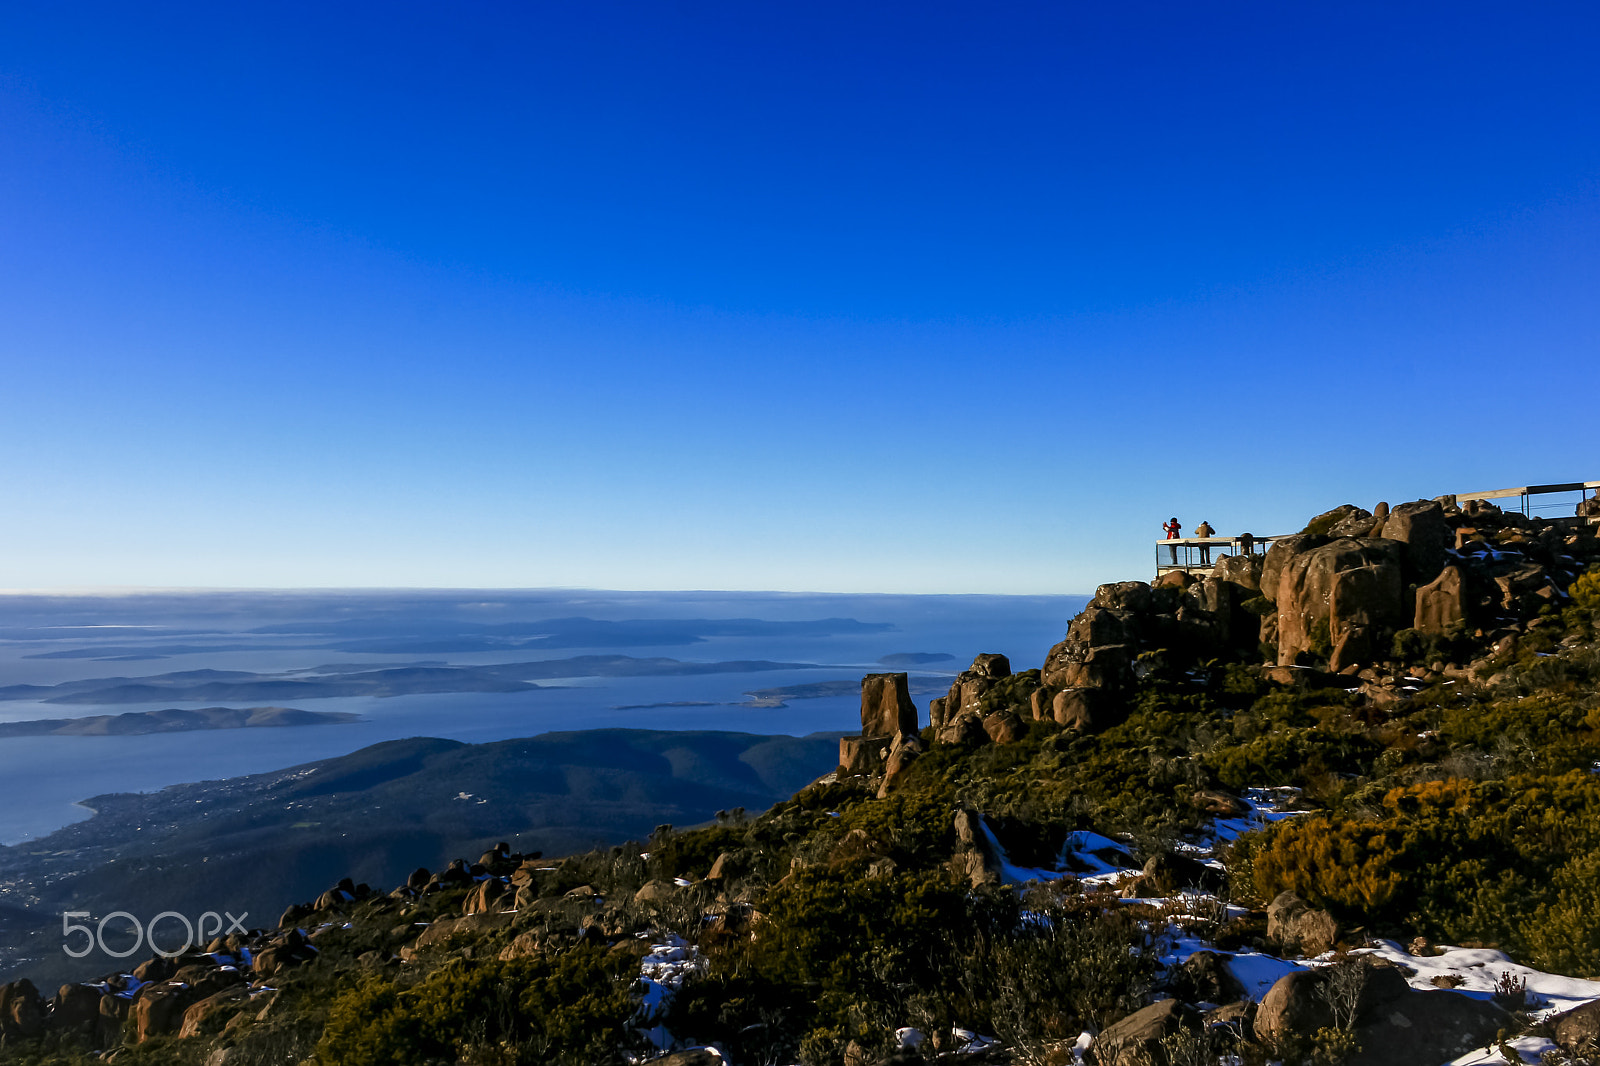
point(1508, 861)
point(570, 1009)
point(1585, 591)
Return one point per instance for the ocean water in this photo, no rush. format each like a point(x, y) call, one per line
point(46, 777)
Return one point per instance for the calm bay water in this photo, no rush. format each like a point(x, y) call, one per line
point(45, 776)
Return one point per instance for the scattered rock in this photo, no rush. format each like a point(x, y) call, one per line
point(1168, 873)
point(1297, 927)
point(76, 1008)
point(1003, 727)
point(211, 1013)
point(1577, 1032)
point(1136, 1039)
point(158, 1011)
point(484, 897)
point(22, 1009)
point(1204, 977)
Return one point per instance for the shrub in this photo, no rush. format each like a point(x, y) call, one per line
point(570, 1009)
point(1585, 591)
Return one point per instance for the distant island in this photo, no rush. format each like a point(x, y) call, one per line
point(916, 658)
point(369, 680)
point(173, 720)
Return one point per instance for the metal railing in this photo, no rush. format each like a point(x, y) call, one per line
point(1521, 498)
point(1201, 553)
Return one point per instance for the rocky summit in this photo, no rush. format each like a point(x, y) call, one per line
point(1333, 803)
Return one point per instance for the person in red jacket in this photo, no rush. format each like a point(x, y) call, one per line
point(1173, 531)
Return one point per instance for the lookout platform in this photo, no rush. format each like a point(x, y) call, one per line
point(1197, 555)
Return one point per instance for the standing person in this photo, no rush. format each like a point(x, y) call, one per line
point(1204, 530)
point(1247, 543)
point(1172, 530)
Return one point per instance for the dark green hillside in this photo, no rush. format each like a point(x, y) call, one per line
point(255, 843)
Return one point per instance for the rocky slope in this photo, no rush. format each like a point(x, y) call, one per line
point(1333, 804)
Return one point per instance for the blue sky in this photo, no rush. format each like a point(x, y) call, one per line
point(835, 297)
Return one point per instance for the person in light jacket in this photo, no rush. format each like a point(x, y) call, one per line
point(1204, 530)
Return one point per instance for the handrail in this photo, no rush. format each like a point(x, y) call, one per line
point(1529, 490)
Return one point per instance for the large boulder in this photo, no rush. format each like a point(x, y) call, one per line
point(1442, 602)
point(1003, 727)
point(992, 665)
point(22, 1009)
point(1421, 527)
point(1577, 1032)
point(966, 729)
point(965, 698)
point(1204, 977)
point(1395, 1025)
point(1277, 558)
point(76, 1009)
point(1350, 589)
point(1299, 928)
point(1342, 521)
point(1136, 1039)
point(211, 1013)
point(114, 1011)
point(1101, 625)
point(1122, 596)
point(485, 897)
point(1072, 665)
point(886, 707)
point(158, 1010)
point(1242, 570)
point(1087, 710)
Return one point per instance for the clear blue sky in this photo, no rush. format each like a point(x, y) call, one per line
point(920, 297)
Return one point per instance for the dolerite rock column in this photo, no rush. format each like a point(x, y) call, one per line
point(887, 713)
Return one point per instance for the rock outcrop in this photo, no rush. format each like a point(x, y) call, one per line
point(888, 726)
point(886, 706)
point(1130, 629)
point(1341, 601)
point(954, 715)
point(1394, 1024)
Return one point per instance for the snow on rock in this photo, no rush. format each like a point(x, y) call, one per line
point(1479, 970)
point(1267, 805)
point(1082, 851)
point(1258, 972)
point(661, 973)
point(1252, 969)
